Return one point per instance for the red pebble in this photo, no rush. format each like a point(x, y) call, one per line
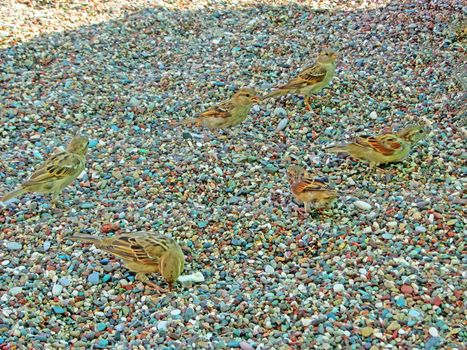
point(406, 289)
point(436, 301)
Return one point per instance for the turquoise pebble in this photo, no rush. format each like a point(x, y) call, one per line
point(202, 224)
point(106, 278)
point(102, 343)
point(92, 143)
point(233, 344)
point(58, 309)
point(101, 326)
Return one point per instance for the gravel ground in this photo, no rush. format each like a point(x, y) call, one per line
point(386, 274)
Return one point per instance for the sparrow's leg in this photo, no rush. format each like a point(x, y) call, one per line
point(143, 278)
point(307, 103)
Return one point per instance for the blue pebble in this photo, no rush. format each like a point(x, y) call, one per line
point(207, 245)
point(236, 242)
point(219, 83)
point(58, 309)
point(37, 155)
point(104, 261)
point(46, 245)
point(414, 313)
point(401, 301)
point(114, 127)
point(387, 236)
point(93, 278)
point(432, 343)
point(1, 340)
point(64, 281)
point(93, 143)
point(86, 205)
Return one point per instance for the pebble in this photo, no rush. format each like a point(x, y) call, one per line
point(362, 205)
point(338, 288)
point(57, 289)
point(93, 278)
point(433, 332)
point(282, 124)
point(269, 269)
point(14, 246)
point(15, 290)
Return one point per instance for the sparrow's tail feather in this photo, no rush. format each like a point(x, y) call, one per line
point(337, 149)
point(189, 121)
point(278, 92)
point(86, 238)
point(13, 194)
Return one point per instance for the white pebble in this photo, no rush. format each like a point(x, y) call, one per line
point(15, 290)
point(338, 288)
point(373, 115)
point(306, 321)
point(175, 312)
point(433, 332)
point(367, 230)
point(194, 277)
point(269, 269)
point(392, 223)
point(280, 111)
point(57, 289)
point(362, 205)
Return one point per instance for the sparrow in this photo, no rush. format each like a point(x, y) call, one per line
point(56, 173)
point(309, 191)
point(386, 148)
point(228, 113)
point(311, 79)
point(143, 253)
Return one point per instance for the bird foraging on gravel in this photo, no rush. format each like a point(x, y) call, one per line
point(56, 173)
point(228, 113)
point(308, 191)
point(143, 253)
point(311, 79)
point(386, 148)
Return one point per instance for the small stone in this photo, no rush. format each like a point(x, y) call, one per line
point(46, 245)
point(57, 289)
point(433, 332)
point(15, 290)
point(393, 326)
point(387, 236)
point(366, 332)
point(269, 269)
point(306, 321)
point(175, 312)
point(58, 309)
point(93, 278)
point(432, 343)
point(282, 124)
point(101, 326)
point(338, 288)
point(406, 289)
point(64, 281)
point(245, 346)
point(373, 115)
point(162, 326)
point(279, 111)
point(362, 205)
point(14, 246)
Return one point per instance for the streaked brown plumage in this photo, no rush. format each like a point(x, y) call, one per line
point(311, 79)
point(229, 113)
point(57, 172)
point(143, 253)
point(308, 191)
point(386, 148)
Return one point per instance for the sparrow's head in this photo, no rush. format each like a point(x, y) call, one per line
point(327, 56)
point(78, 145)
point(295, 173)
point(171, 265)
point(246, 96)
point(413, 133)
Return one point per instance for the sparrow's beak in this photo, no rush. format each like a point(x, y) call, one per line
point(255, 99)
